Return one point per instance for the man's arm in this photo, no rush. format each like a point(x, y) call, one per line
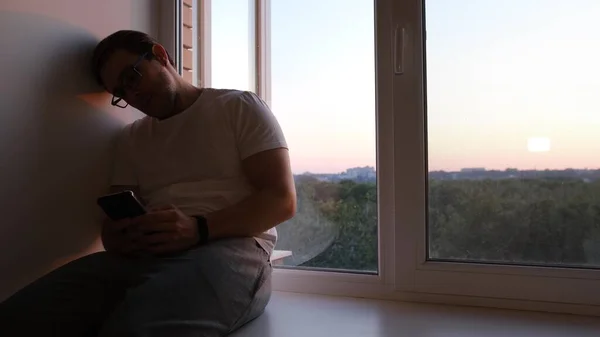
point(274, 201)
point(265, 163)
point(168, 229)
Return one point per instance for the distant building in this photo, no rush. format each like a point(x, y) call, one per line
point(359, 173)
point(472, 169)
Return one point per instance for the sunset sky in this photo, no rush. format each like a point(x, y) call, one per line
point(511, 83)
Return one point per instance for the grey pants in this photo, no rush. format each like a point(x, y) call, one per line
point(208, 291)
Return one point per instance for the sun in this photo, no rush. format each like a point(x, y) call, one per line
point(538, 144)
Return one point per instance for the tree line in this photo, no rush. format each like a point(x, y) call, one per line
point(533, 221)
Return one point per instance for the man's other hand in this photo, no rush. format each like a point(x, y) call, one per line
point(116, 239)
point(164, 230)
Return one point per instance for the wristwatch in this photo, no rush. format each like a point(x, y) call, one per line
point(202, 229)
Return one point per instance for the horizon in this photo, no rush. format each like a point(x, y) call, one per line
point(505, 88)
point(466, 168)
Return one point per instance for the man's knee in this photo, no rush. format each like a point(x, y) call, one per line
point(258, 305)
point(182, 302)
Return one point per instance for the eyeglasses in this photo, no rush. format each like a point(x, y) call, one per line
point(128, 80)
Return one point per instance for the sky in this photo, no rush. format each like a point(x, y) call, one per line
point(510, 83)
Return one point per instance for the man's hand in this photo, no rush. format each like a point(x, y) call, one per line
point(115, 238)
point(164, 230)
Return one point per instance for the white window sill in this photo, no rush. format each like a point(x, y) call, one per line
point(291, 315)
point(278, 255)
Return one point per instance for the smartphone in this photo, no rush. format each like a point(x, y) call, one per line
point(121, 205)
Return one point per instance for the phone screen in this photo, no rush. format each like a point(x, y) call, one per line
point(121, 205)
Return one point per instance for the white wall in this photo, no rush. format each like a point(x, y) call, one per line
point(56, 128)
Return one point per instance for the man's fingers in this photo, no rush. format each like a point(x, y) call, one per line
point(156, 216)
point(145, 229)
point(120, 243)
point(130, 247)
point(157, 238)
point(166, 247)
point(116, 226)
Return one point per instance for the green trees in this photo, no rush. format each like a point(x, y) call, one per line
point(355, 214)
point(533, 221)
point(545, 221)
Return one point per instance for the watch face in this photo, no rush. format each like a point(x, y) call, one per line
point(201, 220)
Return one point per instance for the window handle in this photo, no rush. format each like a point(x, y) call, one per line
point(399, 41)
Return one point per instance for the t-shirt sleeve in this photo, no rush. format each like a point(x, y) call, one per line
point(255, 126)
point(123, 173)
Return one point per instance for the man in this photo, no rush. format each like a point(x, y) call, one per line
point(213, 168)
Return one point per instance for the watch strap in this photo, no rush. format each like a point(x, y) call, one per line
point(202, 229)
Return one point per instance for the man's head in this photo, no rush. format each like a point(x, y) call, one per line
point(138, 71)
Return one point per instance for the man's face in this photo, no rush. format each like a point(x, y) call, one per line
point(143, 82)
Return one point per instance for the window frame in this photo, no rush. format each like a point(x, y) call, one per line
point(404, 271)
point(416, 273)
point(202, 42)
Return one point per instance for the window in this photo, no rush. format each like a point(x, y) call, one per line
point(496, 199)
point(320, 81)
point(323, 93)
point(512, 121)
point(233, 44)
point(458, 168)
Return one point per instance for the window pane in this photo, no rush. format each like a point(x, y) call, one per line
point(232, 44)
point(323, 93)
point(513, 131)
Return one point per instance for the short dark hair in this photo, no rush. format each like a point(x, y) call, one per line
point(128, 40)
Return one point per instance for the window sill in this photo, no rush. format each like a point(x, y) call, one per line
point(290, 315)
point(278, 255)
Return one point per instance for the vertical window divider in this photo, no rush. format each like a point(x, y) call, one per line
point(203, 43)
point(262, 28)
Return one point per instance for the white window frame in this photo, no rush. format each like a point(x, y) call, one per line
point(569, 286)
point(404, 271)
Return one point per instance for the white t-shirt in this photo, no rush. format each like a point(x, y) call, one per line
point(193, 159)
